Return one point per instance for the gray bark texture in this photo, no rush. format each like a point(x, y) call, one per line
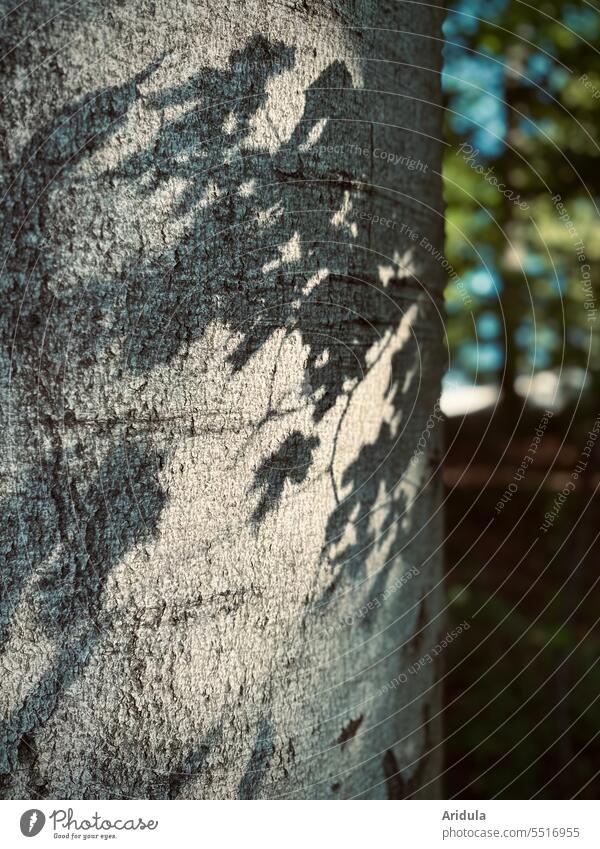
point(221, 347)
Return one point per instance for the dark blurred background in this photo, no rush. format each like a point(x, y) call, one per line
point(522, 685)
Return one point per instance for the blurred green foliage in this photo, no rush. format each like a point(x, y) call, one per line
point(522, 97)
point(522, 92)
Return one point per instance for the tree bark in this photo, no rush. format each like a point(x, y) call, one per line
point(222, 344)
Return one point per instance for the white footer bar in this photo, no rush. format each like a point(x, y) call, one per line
point(291, 824)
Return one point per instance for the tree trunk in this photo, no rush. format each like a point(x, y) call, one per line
point(222, 345)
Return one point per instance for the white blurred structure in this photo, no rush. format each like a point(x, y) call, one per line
point(550, 390)
point(463, 399)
